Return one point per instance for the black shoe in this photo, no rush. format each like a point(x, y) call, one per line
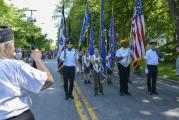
point(130, 81)
point(150, 93)
point(102, 93)
point(156, 93)
point(71, 96)
point(109, 82)
point(122, 94)
point(86, 82)
point(66, 97)
point(89, 82)
point(128, 94)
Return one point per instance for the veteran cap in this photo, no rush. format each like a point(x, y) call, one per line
point(6, 33)
point(152, 41)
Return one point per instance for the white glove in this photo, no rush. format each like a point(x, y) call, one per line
point(162, 59)
point(146, 71)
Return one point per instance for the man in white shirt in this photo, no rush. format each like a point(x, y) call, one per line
point(151, 61)
point(18, 80)
point(70, 58)
point(123, 56)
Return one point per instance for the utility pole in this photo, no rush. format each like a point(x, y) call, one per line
point(31, 11)
point(31, 14)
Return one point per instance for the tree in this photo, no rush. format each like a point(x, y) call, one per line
point(174, 11)
point(23, 29)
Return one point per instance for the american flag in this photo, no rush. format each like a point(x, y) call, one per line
point(138, 31)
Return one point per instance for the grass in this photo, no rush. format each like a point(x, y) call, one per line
point(166, 70)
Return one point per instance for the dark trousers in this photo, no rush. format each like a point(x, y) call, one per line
point(152, 78)
point(124, 73)
point(98, 86)
point(27, 115)
point(68, 76)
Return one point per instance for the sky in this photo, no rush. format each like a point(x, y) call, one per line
point(43, 14)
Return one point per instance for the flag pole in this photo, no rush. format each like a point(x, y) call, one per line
point(87, 39)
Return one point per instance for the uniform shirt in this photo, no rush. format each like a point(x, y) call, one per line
point(97, 64)
point(108, 61)
point(126, 53)
point(17, 81)
point(19, 55)
point(86, 60)
point(151, 57)
point(70, 58)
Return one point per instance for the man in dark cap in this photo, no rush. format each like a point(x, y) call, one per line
point(152, 56)
point(18, 80)
point(69, 57)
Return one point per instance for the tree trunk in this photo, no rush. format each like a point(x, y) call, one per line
point(177, 23)
point(174, 11)
point(177, 31)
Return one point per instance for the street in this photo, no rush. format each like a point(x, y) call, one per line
point(50, 104)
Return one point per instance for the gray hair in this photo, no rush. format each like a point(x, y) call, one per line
point(6, 37)
point(3, 47)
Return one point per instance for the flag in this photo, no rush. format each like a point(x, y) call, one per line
point(138, 32)
point(91, 47)
point(115, 42)
point(103, 49)
point(85, 26)
point(62, 31)
point(112, 40)
point(70, 35)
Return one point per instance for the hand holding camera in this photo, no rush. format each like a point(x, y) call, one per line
point(36, 55)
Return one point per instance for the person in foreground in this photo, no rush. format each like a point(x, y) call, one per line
point(18, 80)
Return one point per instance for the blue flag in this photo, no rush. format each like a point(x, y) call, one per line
point(85, 26)
point(103, 48)
point(91, 48)
point(111, 41)
point(115, 42)
point(62, 31)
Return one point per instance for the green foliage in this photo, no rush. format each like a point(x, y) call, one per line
point(166, 70)
point(23, 30)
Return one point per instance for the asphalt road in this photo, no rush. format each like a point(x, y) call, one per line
point(50, 104)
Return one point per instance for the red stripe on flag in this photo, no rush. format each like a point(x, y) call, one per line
point(138, 35)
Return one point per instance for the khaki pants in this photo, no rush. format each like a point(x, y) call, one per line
point(98, 86)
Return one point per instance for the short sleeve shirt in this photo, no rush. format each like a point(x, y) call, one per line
point(151, 57)
point(70, 58)
point(126, 53)
point(17, 81)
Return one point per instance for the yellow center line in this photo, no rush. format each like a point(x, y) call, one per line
point(88, 106)
point(79, 108)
